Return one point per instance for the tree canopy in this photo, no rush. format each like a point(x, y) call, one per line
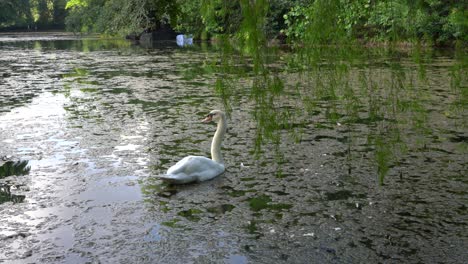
point(433, 21)
point(29, 14)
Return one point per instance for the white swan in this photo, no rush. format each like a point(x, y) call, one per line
point(198, 168)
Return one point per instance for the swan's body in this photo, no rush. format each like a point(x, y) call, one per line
point(198, 168)
point(193, 169)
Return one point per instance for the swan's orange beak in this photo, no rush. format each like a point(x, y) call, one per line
point(207, 119)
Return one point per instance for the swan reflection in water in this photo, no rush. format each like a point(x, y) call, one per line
point(199, 168)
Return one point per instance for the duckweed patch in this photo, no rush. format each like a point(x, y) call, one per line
point(264, 202)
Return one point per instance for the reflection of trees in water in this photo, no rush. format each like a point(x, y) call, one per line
point(21, 82)
point(11, 168)
point(383, 96)
point(7, 196)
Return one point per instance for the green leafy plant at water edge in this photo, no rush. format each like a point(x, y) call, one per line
point(14, 168)
point(296, 21)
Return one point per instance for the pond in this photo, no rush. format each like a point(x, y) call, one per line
point(333, 155)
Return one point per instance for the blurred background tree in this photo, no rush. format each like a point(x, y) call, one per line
point(32, 14)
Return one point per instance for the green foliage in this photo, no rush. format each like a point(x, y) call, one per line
point(83, 14)
point(221, 16)
point(325, 27)
point(120, 16)
point(43, 12)
point(226, 17)
point(296, 21)
point(76, 3)
point(28, 14)
point(302, 21)
point(433, 21)
point(275, 22)
point(353, 16)
point(390, 18)
point(457, 24)
point(188, 19)
point(251, 33)
point(15, 13)
point(58, 12)
point(322, 22)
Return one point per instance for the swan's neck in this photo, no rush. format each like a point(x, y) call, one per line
point(217, 139)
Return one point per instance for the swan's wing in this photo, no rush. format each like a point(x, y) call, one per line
point(192, 165)
point(193, 168)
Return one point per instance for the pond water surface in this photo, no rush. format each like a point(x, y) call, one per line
point(330, 158)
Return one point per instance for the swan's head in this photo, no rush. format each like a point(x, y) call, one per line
point(215, 116)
